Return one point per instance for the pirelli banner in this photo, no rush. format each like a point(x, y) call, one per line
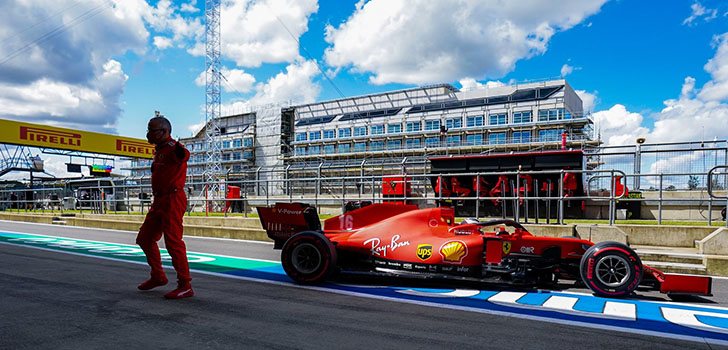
point(36, 135)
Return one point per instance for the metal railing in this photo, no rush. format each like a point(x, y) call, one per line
point(515, 198)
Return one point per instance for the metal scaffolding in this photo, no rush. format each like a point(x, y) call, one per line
point(213, 168)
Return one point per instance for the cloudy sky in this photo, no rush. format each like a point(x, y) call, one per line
point(649, 68)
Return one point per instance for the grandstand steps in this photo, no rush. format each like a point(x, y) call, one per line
point(673, 267)
point(673, 259)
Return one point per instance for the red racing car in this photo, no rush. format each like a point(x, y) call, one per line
point(402, 240)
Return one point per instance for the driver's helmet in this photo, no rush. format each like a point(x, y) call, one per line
point(502, 230)
point(470, 221)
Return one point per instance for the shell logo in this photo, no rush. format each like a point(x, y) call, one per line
point(453, 252)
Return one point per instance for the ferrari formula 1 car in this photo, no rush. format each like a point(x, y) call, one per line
point(402, 240)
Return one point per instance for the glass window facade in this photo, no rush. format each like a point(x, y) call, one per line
point(313, 150)
point(550, 135)
point(376, 146)
point(432, 142)
point(377, 129)
point(344, 132)
point(474, 121)
point(360, 131)
point(329, 149)
point(498, 119)
point(314, 135)
point(394, 128)
point(553, 114)
point(454, 140)
point(497, 138)
point(237, 143)
point(432, 125)
point(414, 126)
point(413, 143)
point(344, 148)
point(329, 134)
point(454, 123)
point(360, 146)
point(474, 140)
point(522, 117)
point(394, 144)
point(248, 142)
point(521, 136)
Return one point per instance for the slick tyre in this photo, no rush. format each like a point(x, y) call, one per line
point(611, 269)
point(308, 258)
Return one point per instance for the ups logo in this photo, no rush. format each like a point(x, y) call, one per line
point(424, 251)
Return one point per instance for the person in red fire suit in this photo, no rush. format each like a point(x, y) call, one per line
point(169, 169)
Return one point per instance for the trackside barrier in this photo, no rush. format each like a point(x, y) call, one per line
point(134, 194)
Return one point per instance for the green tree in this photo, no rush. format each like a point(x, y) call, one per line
point(693, 182)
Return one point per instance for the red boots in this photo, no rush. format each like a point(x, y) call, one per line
point(152, 283)
point(184, 290)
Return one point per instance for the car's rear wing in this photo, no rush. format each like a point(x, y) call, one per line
point(283, 220)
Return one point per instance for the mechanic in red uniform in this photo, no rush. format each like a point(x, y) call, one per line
point(169, 169)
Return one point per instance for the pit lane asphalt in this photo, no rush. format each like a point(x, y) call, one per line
point(61, 301)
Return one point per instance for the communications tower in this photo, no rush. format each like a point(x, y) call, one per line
point(213, 167)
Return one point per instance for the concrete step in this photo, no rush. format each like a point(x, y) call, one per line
point(673, 267)
point(674, 256)
point(672, 259)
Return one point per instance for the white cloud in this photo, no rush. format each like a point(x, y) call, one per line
point(91, 106)
point(190, 7)
point(699, 11)
point(56, 63)
point(162, 42)
point(617, 126)
point(447, 40)
point(234, 80)
point(467, 84)
point(588, 100)
point(195, 128)
point(184, 31)
point(717, 88)
point(696, 114)
point(566, 70)
point(295, 85)
point(254, 31)
point(66, 76)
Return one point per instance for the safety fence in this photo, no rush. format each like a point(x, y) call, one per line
point(527, 196)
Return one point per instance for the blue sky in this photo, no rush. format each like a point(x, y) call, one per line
point(645, 68)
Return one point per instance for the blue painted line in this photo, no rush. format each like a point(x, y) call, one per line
point(665, 319)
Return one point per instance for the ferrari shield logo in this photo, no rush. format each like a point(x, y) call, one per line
point(506, 247)
point(424, 251)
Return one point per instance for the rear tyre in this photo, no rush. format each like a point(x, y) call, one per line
point(308, 257)
point(611, 269)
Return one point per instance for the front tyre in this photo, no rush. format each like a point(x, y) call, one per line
point(611, 269)
point(308, 257)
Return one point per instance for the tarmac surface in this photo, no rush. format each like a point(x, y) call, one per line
point(66, 301)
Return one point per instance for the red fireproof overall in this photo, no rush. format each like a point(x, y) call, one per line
point(169, 169)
